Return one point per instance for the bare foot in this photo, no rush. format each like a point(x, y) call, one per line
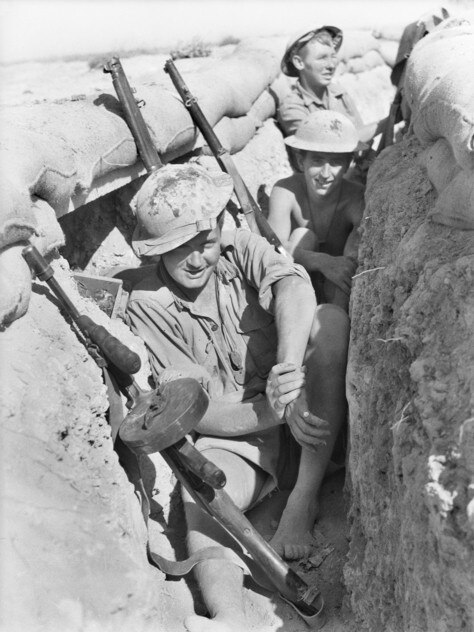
point(293, 539)
point(195, 623)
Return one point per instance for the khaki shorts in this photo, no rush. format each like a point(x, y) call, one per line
point(274, 451)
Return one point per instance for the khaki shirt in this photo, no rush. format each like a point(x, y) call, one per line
point(231, 358)
point(236, 352)
point(296, 106)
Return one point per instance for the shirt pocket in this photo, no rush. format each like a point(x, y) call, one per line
point(258, 333)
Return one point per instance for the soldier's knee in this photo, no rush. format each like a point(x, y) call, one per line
point(330, 334)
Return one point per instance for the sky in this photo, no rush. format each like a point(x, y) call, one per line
point(40, 29)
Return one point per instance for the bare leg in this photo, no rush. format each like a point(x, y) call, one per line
point(221, 581)
point(326, 359)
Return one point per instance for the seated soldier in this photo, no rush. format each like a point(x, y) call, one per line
point(230, 311)
point(312, 58)
point(316, 213)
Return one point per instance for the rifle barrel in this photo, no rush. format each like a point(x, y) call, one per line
point(257, 222)
point(134, 117)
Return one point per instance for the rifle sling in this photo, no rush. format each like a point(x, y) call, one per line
point(131, 464)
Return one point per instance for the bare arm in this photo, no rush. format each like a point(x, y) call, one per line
point(295, 305)
point(280, 211)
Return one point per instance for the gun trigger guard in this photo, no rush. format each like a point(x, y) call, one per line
point(141, 103)
point(189, 102)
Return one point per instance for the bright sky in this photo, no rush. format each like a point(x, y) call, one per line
point(35, 29)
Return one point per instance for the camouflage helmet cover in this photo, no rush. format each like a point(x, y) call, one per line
point(175, 203)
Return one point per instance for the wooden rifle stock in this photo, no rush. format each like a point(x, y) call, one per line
point(256, 220)
point(133, 116)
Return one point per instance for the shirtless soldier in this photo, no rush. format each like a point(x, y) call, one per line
point(230, 311)
point(316, 213)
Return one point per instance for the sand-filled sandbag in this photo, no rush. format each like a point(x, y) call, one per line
point(388, 50)
point(15, 283)
point(369, 60)
point(440, 91)
point(17, 220)
point(235, 133)
point(59, 149)
point(357, 44)
point(454, 185)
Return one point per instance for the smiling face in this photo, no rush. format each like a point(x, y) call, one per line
point(192, 264)
point(323, 172)
point(316, 63)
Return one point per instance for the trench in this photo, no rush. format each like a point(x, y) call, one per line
point(394, 541)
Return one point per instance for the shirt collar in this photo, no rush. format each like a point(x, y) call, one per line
point(308, 97)
point(225, 271)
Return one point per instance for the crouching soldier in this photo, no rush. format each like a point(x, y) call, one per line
point(228, 310)
point(316, 213)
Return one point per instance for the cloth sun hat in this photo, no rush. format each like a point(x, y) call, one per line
point(298, 40)
point(326, 131)
point(175, 203)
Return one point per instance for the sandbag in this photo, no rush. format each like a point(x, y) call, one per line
point(454, 205)
point(49, 234)
point(439, 90)
point(369, 60)
point(235, 133)
point(17, 220)
point(15, 283)
point(357, 44)
point(388, 50)
point(59, 149)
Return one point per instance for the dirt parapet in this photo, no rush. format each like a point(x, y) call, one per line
point(410, 389)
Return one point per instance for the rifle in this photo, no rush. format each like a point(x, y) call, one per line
point(158, 421)
point(256, 220)
point(133, 116)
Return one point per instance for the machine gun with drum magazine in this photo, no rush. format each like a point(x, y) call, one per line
point(158, 421)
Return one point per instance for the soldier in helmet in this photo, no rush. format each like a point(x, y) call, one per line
point(228, 310)
point(312, 58)
point(316, 213)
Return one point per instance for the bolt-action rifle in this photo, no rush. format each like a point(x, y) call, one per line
point(133, 116)
point(255, 218)
point(158, 421)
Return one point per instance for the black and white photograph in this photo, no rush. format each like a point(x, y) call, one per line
point(236, 316)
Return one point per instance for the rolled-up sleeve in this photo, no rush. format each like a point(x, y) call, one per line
point(263, 266)
point(291, 113)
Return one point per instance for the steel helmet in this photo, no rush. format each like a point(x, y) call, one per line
point(175, 203)
point(326, 131)
point(298, 40)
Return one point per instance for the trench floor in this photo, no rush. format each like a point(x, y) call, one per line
point(266, 612)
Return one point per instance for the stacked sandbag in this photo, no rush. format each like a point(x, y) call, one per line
point(365, 75)
point(410, 380)
point(442, 102)
point(52, 153)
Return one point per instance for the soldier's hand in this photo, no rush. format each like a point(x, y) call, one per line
point(309, 430)
point(340, 271)
point(284, 384)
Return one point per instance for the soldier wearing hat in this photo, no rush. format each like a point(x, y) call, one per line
point(228, 310)
point(312, 58)
point(316, 212)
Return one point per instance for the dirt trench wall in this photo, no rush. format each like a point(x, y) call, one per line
point(411, 387)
